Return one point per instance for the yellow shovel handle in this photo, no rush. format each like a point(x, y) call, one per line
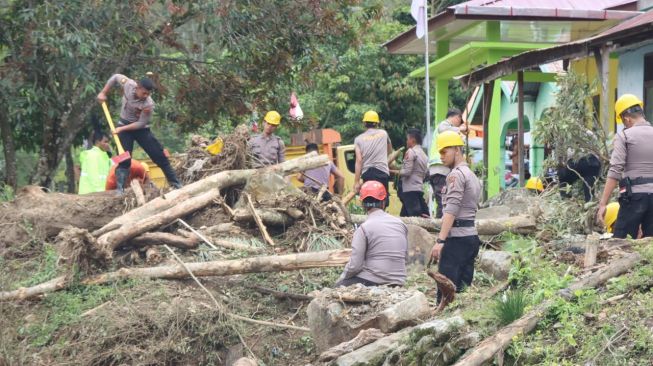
point(113, 129)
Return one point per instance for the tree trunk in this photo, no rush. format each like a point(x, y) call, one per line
point(172, 240)
point(70, 172)
point(9, 151)
point(269, 217)
point(219, 181)
point(289, 262)
point(486, 350)
point(522, 224)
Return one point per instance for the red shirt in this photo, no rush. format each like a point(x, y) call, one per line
point(136, 171)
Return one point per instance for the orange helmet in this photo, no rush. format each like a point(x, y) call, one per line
point(374, 190)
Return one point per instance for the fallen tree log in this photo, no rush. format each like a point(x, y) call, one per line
point(522, 224)
point(289, 262)
point(489, 347)
point(217, 181)
point(269, 217)
point(177, 241)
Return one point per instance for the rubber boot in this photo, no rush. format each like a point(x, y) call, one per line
point(121, 179)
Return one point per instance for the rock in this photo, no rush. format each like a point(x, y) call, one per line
point(424, 345)
point(395, 356)
point(440, 329)
point(431, 357)
point(245, 362)
point(467, 341)
point(496, 263)
point(338, 315)
point(404, 313)
point(374, 353)
point(363, 338)
point(420, 243)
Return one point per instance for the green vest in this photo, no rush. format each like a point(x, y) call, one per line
point(95, 164)
point(434, 153)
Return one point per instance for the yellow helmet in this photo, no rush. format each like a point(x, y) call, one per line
point(273, 118)
point(371, 116)
point(535, 183)
point(611, 212)
point(447, 139)
point(624, 102)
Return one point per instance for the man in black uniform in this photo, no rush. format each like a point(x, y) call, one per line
point(135, 115)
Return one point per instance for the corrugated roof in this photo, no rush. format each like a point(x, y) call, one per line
point(551, 4)
point(630, 23)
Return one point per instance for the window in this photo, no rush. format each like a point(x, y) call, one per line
point(648, 86)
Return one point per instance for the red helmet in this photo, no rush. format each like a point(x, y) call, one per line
point(373, 189)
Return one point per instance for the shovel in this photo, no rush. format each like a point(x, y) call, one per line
point(122, 154)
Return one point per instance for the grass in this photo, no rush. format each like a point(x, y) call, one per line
point(510, 306)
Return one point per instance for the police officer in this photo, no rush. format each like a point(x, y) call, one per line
point(268, 148)
point(631, 168)
point(438, 171)
point(458, 242)
point(379, 249)
point(372, 148)
point(134, 125)
point(413, 172)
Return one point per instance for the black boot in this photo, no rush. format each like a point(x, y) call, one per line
point(121, 178)
point(171, 176)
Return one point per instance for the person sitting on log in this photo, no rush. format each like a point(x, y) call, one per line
point(379, 249)
point(315, 179)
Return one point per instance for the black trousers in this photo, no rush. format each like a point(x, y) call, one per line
point(152, 148)
point(457, 260)
point(413, 204)
point(589, 168)
point(354, 280)
point(633, 212)
point(325, 197)
point(381, 177)
point(438, 181)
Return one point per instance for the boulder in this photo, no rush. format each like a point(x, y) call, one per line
point(420, 243)
point(374, 353)
point(439, 329)
point(404, 313)
point(496, 263)
point(494, 212)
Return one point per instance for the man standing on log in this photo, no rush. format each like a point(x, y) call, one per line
point(268, 148)
point(458, 242)
point(372, 148)
point(315, 179)
point(379, 249)
point(437, 170)
point(631, 168)
point(134, 125)
point(412, 173)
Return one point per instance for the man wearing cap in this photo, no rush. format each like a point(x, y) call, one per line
point(134, 125)
point(631, 169)
point(372, 148)
point(458, 242)
point(413, 172)
point(437, 170)
point(379, 249)
point(268, 148)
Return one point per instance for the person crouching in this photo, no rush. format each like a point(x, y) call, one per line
point(379, 249)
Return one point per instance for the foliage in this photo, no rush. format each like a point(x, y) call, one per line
point(6, 193)
point(213, 61)
point(571, 125)
point(510, 306)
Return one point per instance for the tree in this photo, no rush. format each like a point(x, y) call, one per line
point(215, 60)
